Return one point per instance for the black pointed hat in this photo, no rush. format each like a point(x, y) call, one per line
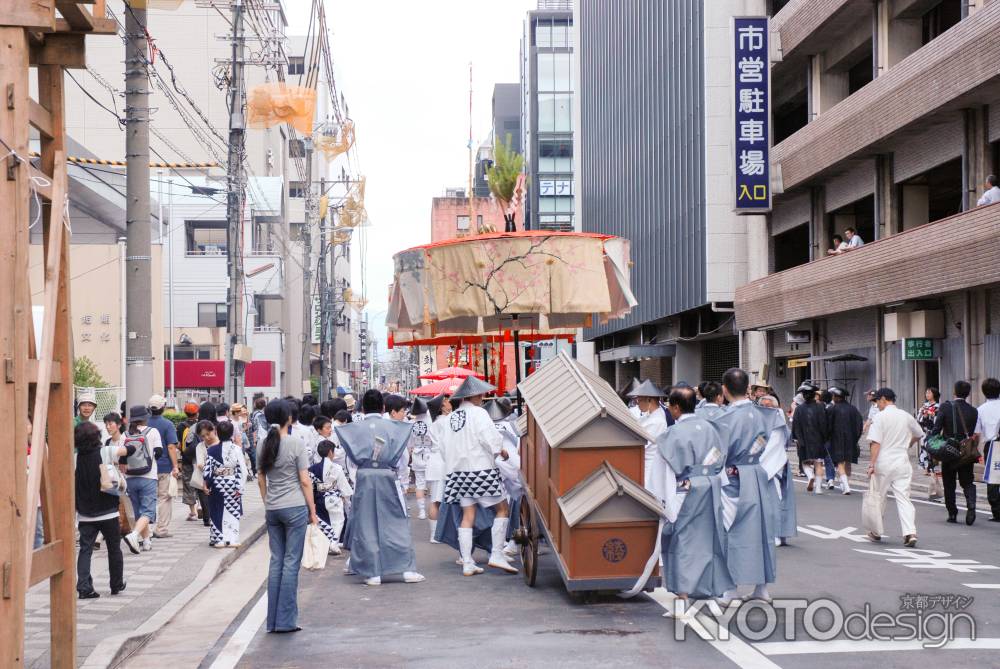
point(472, 387)
point(419, 407)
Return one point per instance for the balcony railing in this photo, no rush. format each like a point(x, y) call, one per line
point(954, 253)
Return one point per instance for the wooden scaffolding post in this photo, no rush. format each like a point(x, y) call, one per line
point(37, 385)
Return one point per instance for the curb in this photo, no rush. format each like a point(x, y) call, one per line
point(114, 650)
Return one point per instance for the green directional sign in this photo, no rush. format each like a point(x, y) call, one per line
point(919, 348)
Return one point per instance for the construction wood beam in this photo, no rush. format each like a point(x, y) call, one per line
point(77, 17)
point(40, 14)
point(39, 184)
point(40, 118)
point(32, 369)
point(15, 308)
point(57, 349)
point(102, 26)
point(65, 49)
point(47, 562)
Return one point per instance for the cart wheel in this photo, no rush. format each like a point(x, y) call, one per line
point(529, 547)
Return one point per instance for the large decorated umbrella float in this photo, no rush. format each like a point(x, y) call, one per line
point(535, 280)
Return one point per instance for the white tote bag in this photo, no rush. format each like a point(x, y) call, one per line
point(316, 549)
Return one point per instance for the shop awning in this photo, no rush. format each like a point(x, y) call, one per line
point(212, 373)
point(638, 352)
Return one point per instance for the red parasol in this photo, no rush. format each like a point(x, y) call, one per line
point(435, 388)
point(450, 372)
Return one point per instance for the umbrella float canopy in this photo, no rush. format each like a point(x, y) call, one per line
point(532, 280)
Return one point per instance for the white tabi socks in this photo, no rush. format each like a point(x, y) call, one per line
point(434, 524)
point(469, 567)
point(760, 593)
point(421, 508)
point(845, 484)
point(497, 559)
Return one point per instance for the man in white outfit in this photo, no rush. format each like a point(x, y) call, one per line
point(892, 433)
point(470, 445)
point(653, 419)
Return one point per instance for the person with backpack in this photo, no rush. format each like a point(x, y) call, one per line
point(97, 506)
point(141, 476)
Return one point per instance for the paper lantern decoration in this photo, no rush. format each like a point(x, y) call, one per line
point(271, 104)
point(336, 144)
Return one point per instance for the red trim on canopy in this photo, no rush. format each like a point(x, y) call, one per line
point(506, 235)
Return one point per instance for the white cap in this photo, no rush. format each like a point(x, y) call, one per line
point(87, 396)
point(157, 402)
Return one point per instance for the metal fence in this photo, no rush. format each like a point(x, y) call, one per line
point(108, 399)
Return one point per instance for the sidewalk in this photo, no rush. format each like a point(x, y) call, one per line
point(920, 487)
point(160, 583)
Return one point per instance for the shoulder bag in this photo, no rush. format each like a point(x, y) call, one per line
point(944, 449)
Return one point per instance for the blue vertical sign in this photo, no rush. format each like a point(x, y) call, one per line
point(753, 115)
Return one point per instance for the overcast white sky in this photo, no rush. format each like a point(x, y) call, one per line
point(403, 67)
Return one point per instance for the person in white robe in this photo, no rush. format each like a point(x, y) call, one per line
point(653, 420)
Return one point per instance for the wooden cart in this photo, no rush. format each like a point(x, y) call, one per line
point(581, 457)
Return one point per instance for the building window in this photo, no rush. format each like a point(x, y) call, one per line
point(479, 221)
point(296, 65)
point(552, 33)
point(555, 156)
point(295, 231)
point(548, 205)
point(212, 314)
point(555, 72)
point(462, 222)
point(554, 112)
point(296, 189)
point(207, 238)
point(189, 352)
point(940, 18)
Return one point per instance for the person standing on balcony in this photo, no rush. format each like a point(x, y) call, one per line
point(839, 246)
point(854, 240)
point(957, 418)
point(992, 193)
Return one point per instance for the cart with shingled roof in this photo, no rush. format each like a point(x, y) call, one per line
point(582, 454)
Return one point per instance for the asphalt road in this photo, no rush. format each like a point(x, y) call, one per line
point(495, 620)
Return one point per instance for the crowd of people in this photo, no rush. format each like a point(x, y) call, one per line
point(716, 459)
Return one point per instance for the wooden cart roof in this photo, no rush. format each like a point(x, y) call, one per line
point(604, 483)
point(564, 396)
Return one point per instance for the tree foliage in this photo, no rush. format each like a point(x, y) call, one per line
point(85, 374)
point(503, 174)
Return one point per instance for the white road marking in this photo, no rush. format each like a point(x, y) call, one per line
point(983, 586)
point(848, 646)
point(921, 558)
point(739, 651)
point(244, 634)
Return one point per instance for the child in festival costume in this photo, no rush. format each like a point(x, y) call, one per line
point(330, 489)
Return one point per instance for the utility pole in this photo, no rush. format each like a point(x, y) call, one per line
point(138, 266)
point(324, 306)
point(307, 295)
point(235, 349)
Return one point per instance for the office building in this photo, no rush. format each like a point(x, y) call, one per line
point(652, 159)
point(547, 83)
point(884, 122)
